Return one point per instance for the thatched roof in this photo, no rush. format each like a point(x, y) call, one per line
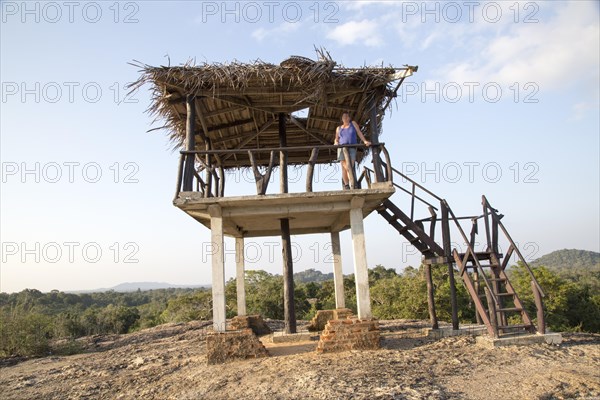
point(237, 104)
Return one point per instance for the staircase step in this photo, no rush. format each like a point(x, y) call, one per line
point(482, 295)
point(474, 266)
point(510, 309)
point(481, 255)
point(516, 326)
point(434, 259)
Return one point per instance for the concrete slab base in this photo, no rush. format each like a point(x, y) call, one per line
point(520, 340)
point(303, 336)
point(470, 330)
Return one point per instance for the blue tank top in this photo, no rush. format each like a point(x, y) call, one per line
point(348, 135)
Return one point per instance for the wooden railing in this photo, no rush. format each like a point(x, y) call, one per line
point(192, 163)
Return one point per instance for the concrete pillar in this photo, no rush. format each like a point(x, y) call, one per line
point(218, 268)
point(240, 274)
point(361, 272)
point(338, 276)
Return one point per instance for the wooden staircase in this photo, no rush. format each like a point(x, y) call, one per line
point(492, 293)
point(483, 273)
point(411, 230)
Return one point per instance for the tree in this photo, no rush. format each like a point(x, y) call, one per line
point(185, 308)
point(568, 306)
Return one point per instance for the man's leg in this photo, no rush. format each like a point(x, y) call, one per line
point(344, 172)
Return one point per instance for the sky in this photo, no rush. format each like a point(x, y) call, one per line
point(505, 104)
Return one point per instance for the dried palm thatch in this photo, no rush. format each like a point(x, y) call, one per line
point(237, 104)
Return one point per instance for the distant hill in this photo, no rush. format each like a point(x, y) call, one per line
point(134, 286)
point(569, 259)
point(312, 275)
point(579, 266)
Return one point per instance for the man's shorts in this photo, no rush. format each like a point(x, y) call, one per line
point(351, 152)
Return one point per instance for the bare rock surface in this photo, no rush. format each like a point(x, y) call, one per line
point(169, 362)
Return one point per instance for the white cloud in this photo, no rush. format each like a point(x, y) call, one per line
point(360, 4)
point(555, 52)
point(276, 33)
point(259, 34)
point(580, 109)
point(365, 32)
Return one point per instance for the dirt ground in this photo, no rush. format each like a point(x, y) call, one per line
point(169, 362)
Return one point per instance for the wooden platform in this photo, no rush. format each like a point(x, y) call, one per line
point(314, 212)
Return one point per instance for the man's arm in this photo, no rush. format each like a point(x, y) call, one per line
point(360, 134)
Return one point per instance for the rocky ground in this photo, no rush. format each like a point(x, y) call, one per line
point(169, 362)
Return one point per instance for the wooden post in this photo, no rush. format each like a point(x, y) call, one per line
point(541, 321)
point(240, 275)
point(314, 154)
point(430, 297)
point(190, 143)
point(492, 311)
point(283, 176)
point(374, 128)
point(476, 286)
point(179, 175)
point(289, 308)
point(338, 276)
point(218, 268)
point(495, 236)
point(209, 171)
point(447, 254)
point(361, 270)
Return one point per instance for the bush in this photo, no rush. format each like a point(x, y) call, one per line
point(24, 334)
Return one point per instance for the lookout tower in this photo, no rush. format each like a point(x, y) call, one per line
point(244, 115)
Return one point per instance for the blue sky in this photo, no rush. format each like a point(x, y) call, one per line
point(505, 103)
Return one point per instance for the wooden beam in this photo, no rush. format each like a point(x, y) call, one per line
point(190, 143)
point(335, 107)
point(250, 112)
point(300, 125)
point(261, 180)
point(283, 176)
point(249, 139)
point(311, 169)
point(221, 111)
point(231, 125)
point(200, 112)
